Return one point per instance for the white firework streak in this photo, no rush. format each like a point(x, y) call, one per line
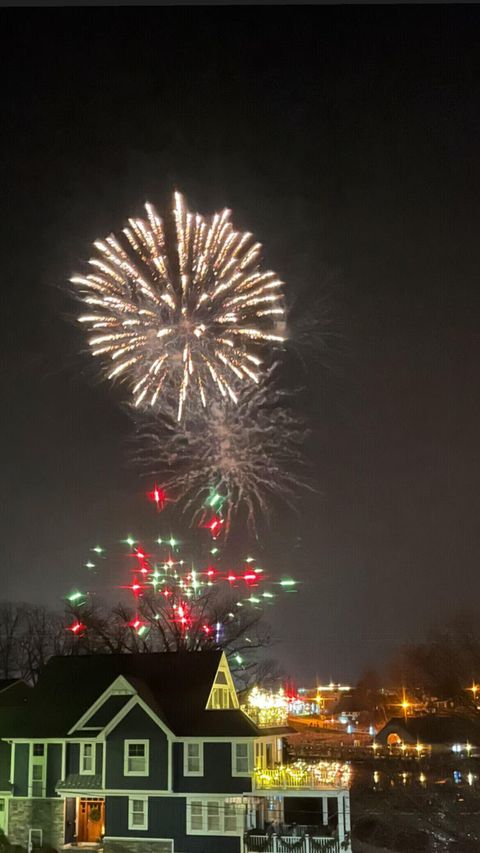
point(181, 311)
point(247, 453)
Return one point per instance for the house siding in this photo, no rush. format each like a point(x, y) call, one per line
point(217, 772)
point(22, 753)
point(54, 767)
point(108, 711)
point(166, 819)
point(98, 758)
point(73, 758)
point(137, 724)
point(5, 752)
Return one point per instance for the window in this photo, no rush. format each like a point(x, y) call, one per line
point(138, 812)
point(87, 758)
point(240, 759)
point(196, 815)
point(35, 839)
point(135, 761)
point(193, 759)
point(37, 770)
point(230, 817)
point(214, 816)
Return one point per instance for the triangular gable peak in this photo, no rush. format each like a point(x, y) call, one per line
point(119, 688)
point(223, 695)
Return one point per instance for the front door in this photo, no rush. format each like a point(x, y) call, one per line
point(90, 820)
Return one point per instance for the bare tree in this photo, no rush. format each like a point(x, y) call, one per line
point(11, 626)
point(446, 663)
point(212, 620)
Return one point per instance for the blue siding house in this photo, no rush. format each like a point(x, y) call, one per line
point(141, 753)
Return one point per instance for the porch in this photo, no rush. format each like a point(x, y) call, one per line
point(321, 776)
point(288, 843)
point(298, 819)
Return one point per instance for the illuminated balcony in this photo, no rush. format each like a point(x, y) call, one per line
point(301, 776)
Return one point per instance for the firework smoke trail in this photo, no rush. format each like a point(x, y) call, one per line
point(243, 455)
point(181, 310)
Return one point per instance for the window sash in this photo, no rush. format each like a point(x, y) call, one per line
point(87, 758)
point(230, 817)
point(196, 815)
point(213, 816)
point(137, 813)
point(136, 758)
point(193, 758)
point(242, 758)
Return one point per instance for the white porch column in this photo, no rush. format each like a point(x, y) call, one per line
point(341, 818)
point(347, 812)
point(325, 811)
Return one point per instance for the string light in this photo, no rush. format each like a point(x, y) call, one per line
point(323, 774)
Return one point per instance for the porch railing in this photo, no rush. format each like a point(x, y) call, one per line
point(290, 844)
point(323, 774)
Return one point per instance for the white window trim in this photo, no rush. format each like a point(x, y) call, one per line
point(31, 832)
point(236, 773)
point(39, 761)
point(204, 799)
point(84, 772)
point(186, 771)
point(131, 825)
point(126, 771)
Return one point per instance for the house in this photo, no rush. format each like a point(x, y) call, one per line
point(433, 732)
point(149, 753)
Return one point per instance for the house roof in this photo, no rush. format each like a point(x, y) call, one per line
point(433, 729)
point(13, 692)
point(7, 682)
point(175, 685)
point(77, 782)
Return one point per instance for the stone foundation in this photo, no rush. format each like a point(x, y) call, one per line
point(38, 813)
point(136, 846)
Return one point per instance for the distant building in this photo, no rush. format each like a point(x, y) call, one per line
point(435, 732)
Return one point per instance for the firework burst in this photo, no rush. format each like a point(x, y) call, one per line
point(231, 458)
point(181, 310)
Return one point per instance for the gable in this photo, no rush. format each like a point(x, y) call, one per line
point(108, 711)
point(106, 706)
point(223, 695)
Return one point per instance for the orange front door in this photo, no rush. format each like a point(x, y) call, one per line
point(90, 820)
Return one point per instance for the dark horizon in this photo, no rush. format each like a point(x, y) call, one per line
point(350, 149)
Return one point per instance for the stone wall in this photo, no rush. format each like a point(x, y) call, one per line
point(36, 813)
point(136, 846)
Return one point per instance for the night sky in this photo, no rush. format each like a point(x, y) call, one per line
point(348, 140)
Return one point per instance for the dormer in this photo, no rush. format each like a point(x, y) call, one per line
point(223, 696)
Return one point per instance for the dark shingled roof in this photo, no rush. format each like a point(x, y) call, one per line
point(7, 682)
point(175, 685)
point(13, 692)
point(433, 729)
point(76, 782)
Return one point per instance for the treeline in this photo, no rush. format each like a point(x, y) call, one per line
point(444, 665)
point(31, 634)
